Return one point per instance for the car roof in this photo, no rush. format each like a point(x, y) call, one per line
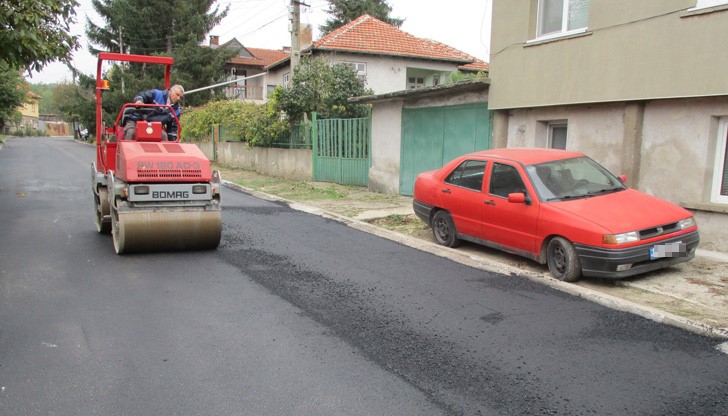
point(527, 155)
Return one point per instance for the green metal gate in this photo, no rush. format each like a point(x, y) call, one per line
point(341, 150)
point(433, 136)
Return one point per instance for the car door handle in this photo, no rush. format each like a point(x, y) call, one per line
point(446, 191)
point(489, 202)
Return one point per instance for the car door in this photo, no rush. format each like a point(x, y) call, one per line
point(462, 194)
point(509, 224)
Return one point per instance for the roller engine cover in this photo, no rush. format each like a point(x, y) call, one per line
point(161, 162)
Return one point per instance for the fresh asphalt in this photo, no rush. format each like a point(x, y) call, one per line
point(299, 314)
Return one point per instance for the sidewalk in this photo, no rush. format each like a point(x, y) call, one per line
point(692, 295)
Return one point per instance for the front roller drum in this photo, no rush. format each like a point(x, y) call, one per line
point(147, 231)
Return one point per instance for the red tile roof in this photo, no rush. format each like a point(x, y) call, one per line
point(368, 34)
point(259, 57)
point(268, 56)
point(477, 66)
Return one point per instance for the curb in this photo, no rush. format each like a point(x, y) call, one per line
point(486, 264)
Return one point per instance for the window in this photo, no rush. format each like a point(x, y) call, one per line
point(505, 180)
point(557, 135)
point(286, 79)
point(269, 89)
point(702, 4)
point(359, 67)
point(415, 82)
point(435, 80)
point(719, 193)
point(562, 17)
point(468, 175)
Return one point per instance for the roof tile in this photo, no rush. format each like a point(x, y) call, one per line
point(367, 34)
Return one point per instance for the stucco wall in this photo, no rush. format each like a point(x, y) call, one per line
point(387, 74)
point(384, 74)
point(595, 130)
point(281, 163)
point(386, 147)
point(632, 50)
point(677, 152)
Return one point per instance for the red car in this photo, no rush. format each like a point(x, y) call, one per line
point(556, 207)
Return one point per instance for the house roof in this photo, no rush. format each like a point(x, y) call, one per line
point(369, 35)
point(256, 56)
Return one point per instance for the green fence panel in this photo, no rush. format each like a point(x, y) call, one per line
point(342, 151)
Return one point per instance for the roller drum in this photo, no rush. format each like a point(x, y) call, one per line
point(165, 230)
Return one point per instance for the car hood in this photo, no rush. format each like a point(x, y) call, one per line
point(624, 211)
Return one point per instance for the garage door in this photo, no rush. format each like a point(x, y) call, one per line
point(434, 136)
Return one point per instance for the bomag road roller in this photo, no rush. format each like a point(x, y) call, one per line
point(152, 195)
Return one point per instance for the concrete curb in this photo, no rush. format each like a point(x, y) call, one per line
point(486, 264)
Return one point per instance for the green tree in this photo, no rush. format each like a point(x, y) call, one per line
point(344, 11)
point(36, 32)
point(325, 89)
point(134, 26)
point(76, 104)
point(148, 27)
point(45, 105)
point(12, 93)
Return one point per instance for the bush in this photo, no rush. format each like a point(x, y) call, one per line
point(257, 124)
point(28, 131)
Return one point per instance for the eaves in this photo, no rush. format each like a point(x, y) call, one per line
point(473, 85)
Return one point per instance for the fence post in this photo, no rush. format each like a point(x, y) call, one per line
point(314, 139)
point(215, 140)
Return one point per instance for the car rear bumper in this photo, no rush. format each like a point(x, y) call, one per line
point(422, 210)
point(611, 263)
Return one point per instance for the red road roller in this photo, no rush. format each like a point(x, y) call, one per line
point(151, 194)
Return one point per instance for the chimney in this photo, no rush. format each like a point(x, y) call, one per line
point(306, 35)
point(214, 41)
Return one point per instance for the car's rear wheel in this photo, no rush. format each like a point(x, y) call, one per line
point(562, 260)
point(443, 228)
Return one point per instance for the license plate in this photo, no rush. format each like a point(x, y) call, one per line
point(676, 249)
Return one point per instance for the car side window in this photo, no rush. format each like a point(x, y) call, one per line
point(468, 175)
point(505, 180)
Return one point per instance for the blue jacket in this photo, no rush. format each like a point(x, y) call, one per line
point(160, 97)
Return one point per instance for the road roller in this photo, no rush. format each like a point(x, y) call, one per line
point(151, 194)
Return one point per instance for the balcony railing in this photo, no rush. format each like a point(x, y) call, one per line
point(244, 92)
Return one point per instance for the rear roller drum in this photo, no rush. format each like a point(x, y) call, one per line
point(101, 210)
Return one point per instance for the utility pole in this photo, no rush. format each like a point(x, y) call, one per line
point(295, 35)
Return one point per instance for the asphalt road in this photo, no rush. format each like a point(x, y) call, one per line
point(295, 314)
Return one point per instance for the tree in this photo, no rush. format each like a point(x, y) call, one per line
point(36, 32)
point(12, 93)
point(148, 27)
point(134, 26)
point(325, 89)
point(344, 11)
point(76, 104)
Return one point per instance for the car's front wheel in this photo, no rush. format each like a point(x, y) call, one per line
point(562, 260)
point(443, 228)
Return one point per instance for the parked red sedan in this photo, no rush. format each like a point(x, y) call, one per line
point(556, 207)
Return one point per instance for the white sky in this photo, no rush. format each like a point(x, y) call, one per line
point(462, 24)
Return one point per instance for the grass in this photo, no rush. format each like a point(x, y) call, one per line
point(296, 190)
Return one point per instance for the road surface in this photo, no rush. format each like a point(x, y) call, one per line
point(298, 314)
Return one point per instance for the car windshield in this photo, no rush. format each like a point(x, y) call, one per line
point(579, 177)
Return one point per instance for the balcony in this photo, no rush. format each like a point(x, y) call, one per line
point(244, 92)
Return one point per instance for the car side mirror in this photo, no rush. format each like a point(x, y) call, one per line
point(517, 198)
point(622, 178)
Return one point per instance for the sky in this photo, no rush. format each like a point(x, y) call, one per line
point(462, 24)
